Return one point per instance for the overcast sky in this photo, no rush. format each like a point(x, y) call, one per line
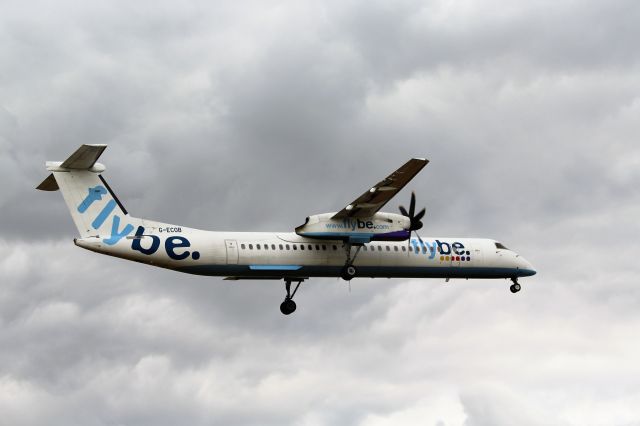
point(251, 115)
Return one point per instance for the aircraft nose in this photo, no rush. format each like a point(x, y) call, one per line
point(525, 267)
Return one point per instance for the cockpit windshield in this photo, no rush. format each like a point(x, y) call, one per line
point(501, 246)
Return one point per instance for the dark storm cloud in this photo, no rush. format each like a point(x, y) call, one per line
point(251, 116)
point(399, 39)
point(305, 97)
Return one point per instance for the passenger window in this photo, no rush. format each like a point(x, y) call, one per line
point(404, 248)
point(266, 246)
point(301, 246)
point(295, 247)
point(388, 248)
point(324, 247)
point(335, 247)
point(280, 247)
point(379, 248)
point(395, 248)
point(242, 246)
point(317, 247)
point(273, 246)
point(310, 247)
point(257, 246)
point(250, 246)
point(288, 248)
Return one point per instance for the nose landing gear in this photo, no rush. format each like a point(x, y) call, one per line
point(288, 306)
point(515, 287)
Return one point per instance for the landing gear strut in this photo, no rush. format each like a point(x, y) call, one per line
point(289, 306)
point(515, 287)
point(349, 271)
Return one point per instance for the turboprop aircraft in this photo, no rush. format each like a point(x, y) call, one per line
point(357, 241)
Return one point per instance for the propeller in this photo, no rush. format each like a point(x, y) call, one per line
point(414, 218)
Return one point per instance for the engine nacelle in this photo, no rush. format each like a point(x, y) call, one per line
point(380, 227)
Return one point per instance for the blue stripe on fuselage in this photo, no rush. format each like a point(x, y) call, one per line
point(274, 267)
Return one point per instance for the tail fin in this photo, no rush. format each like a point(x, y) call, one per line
point(88, 196)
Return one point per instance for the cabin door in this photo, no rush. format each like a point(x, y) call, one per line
point(232, 252)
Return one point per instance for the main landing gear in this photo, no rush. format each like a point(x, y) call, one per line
point(289, 306)
point(349, 271)
point(515, 287)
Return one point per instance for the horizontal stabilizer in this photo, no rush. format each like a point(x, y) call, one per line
point(49, 184)
point(95, 209)
point(85, 157)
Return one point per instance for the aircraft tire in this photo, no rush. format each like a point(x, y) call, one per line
point(348, 272)
point(288, 307)
point(514, 288)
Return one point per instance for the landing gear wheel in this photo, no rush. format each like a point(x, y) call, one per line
point(514, 288)
point(348, 272)
point(288, 307)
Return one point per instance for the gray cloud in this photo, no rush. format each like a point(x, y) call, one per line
point(249, 116)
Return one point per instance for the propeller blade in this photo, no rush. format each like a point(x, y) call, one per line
point(414, 219)
point(412, 206)
point(420, 215)
point(420, 239)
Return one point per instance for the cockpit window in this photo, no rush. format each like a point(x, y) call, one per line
point(501, 246)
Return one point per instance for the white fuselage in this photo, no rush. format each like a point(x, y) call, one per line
point(357, 241)
point(288, 255)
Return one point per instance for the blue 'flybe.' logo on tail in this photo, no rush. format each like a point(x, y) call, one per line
point(95, 194)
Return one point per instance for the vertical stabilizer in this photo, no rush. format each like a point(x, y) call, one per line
point(95, 209)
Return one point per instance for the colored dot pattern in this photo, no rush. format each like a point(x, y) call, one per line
point(455, 258)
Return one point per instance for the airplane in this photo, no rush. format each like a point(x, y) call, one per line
point(357, 241)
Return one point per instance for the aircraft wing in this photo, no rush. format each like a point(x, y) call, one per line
point(375, 198)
